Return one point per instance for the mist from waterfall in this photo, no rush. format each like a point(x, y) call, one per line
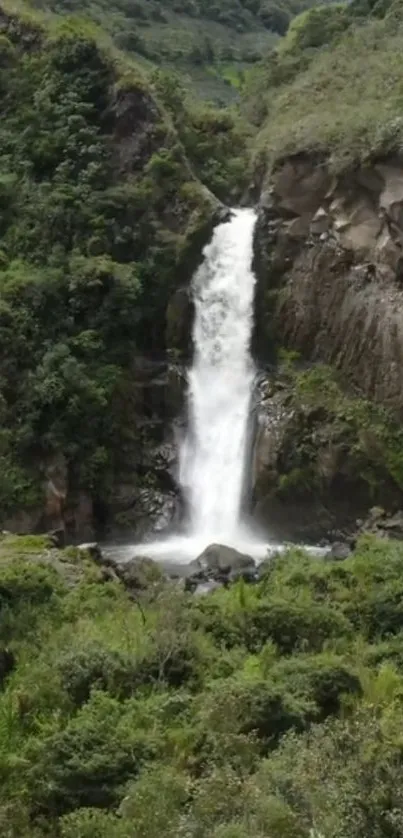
point(220, 382)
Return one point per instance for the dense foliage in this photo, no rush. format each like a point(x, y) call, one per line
point(214, 139)
point(337, 439)
point(99, 211)
point(273, 709)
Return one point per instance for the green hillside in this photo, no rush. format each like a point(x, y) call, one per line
point(333, 86)
point(210, 43)
point(101, 216)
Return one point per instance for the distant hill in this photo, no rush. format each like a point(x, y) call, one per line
point(210, 42)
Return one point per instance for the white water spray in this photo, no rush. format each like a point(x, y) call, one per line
point(212, 456)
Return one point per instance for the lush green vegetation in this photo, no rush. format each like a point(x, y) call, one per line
point(332, 86)
point(337, 439)
point(273, 709)
point(211, 43)
point(214, 139)
point(100, 219)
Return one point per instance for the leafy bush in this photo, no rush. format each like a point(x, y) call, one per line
point(290, 625)
point(87, 762)
point(23, 583)
point(325, 680)
point(255, 706)
point(97, 668)
point(316, 27)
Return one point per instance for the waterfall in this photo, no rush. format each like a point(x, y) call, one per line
point(213, 456)
point(220, 382)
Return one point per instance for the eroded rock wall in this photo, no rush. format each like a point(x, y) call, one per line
point(330, 266)
point(329, 259)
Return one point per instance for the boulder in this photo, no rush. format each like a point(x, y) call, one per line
point(221, 564)
point(339, 551)
point(219, 557)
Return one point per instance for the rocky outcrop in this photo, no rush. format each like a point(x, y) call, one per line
point(330, 265)
point(304, 488)
point(382, 525)
point(321, 458)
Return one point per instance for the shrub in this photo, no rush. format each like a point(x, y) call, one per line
point(87, 762)
point(25, 583)
point(293, 625)
point(344, 778)
point(94, 667)
point(254, 705)
point(323, 679)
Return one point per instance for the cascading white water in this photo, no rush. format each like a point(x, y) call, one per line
point(212, 456)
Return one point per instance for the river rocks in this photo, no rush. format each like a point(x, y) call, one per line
point(380, 523)
point(217, 565)
point(339, 551)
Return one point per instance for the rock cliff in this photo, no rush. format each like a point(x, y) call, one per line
point(328, 254)
point(330, 264)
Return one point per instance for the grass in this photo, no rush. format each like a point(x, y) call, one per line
point(347, 103)
point(18, 545)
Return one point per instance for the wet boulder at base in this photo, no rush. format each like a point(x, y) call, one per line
point(220, 564)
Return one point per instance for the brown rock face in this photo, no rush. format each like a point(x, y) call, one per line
point(330, 264)
point(135, 118)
